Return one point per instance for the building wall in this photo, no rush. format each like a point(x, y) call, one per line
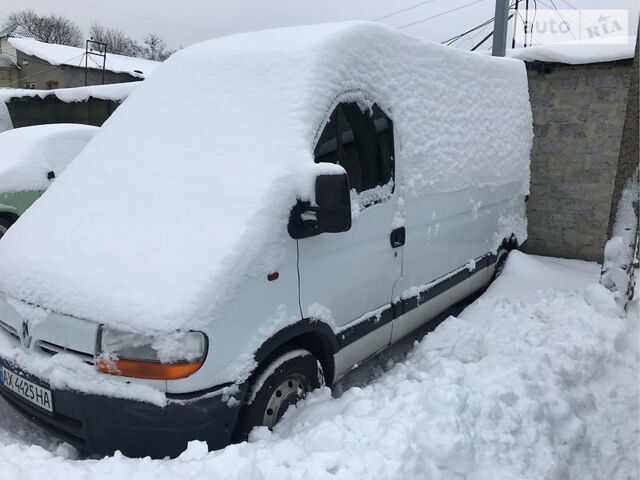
point(8, 77)
point(578, 115)
point(37, 71)
point(7, 48)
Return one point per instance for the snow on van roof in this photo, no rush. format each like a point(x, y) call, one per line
point(28, 154)
point(112, 91)
point(185, 193)
point(65, 55)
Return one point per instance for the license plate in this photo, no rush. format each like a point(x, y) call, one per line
point(28, 390)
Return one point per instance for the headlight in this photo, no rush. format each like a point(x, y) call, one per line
point(166, 357)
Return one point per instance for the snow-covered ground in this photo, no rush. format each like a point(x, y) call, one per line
point(538, 378)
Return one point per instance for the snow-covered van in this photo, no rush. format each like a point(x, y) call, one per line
point(30, 159)
point(266, 211)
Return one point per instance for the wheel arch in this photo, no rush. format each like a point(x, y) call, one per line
point(310, 334)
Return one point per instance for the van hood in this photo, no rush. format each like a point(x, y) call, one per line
point(185, 192)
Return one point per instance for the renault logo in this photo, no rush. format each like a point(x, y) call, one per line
point(26, 335)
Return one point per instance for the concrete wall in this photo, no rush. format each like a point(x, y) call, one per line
point(578, 115)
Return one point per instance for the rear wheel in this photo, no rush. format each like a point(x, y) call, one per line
point(281, 383)
point(5, 223)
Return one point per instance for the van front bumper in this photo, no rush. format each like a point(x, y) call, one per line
point(101, 425)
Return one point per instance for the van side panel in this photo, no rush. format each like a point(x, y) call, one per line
point(447, 231)
point(414, 319)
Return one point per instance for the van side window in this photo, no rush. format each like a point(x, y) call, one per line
point(362, 143)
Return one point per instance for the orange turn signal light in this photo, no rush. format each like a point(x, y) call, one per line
point(151, 370)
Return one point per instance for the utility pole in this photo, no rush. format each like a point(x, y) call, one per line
point(500, 28)
point(93, 47)
point(526, 22)
point(515, 26)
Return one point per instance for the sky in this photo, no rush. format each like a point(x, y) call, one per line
point(189, 21)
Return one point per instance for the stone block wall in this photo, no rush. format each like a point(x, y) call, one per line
point(578, 116)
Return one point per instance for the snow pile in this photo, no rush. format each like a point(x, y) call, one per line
point(221, 163)
point(537, 379)
point(65, 55)
point(114, 91)
point(576, 53)
point(28, 154)
point(620, 250)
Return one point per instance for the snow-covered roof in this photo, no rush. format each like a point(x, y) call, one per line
point(74, 56)
point(184, 194)
point(576, 53)
point(27, 154)
point(17, 31)
point(114, 91)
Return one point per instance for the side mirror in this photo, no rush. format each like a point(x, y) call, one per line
point(332, 213)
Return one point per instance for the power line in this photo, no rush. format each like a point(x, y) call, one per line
point(130, 14)
point(401, 27)
point(471, 37)
point(489, 35)
point(477, 27)
point(559, 14)
point(456, 37)
point(402, 10)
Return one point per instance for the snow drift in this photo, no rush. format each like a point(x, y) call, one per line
point(537, 379)
point(186, 192)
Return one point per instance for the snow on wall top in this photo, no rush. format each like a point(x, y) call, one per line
point(185, 193)
point(112, 91)
point(65, 55)
point(576, 54)
point(28, 154)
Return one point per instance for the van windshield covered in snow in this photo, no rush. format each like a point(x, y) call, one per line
point(361, 142)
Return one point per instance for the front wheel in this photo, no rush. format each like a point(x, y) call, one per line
point(280, 384)
point(5, 223)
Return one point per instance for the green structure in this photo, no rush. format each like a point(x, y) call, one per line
point(28, 111)
point(12, 205)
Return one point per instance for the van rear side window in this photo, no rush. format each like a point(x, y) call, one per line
point(362, 143)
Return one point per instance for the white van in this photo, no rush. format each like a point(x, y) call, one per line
point(268, 210)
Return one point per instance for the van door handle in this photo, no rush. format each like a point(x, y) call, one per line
point(398, 237)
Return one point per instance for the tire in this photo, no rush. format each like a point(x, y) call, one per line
point(281, 383)
point(501, 260)
point(5, 223)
